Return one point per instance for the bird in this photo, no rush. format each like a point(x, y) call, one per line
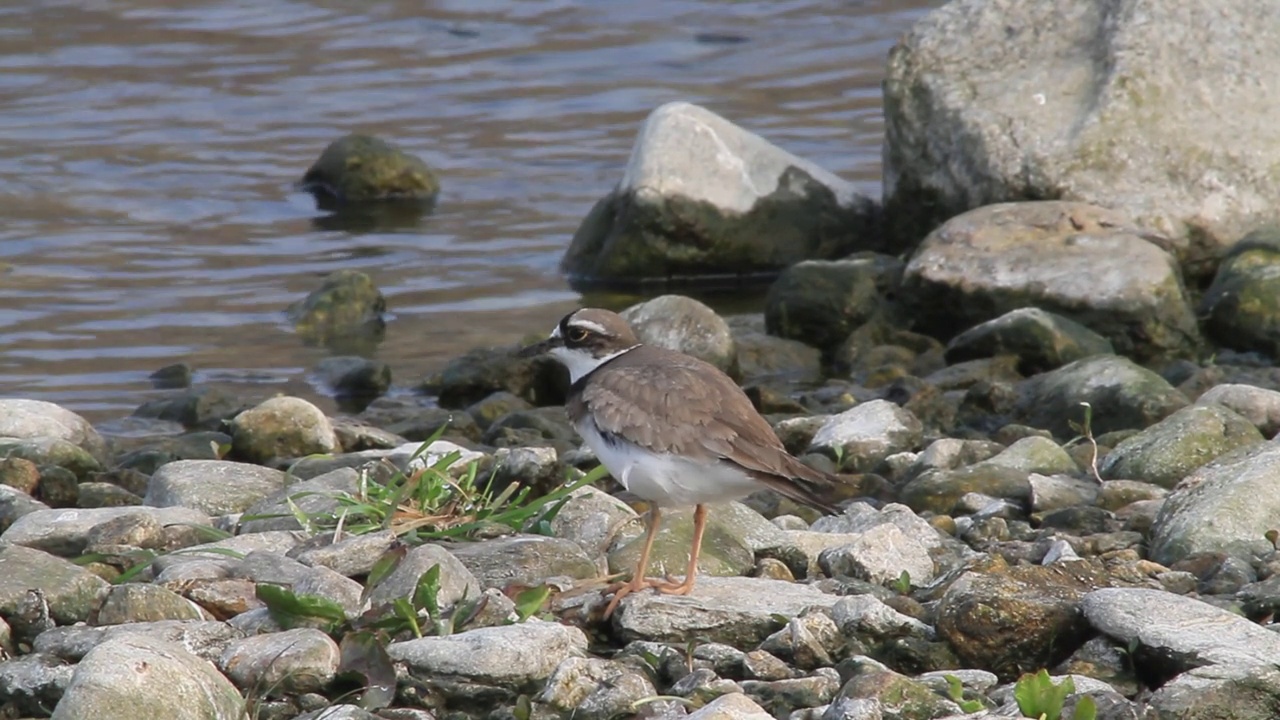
point(672, 429)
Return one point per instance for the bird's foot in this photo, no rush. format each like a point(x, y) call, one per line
point(671, 586)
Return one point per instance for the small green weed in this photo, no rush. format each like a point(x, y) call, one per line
point(955, 691)
point(1038, 696)
point(1084, 432)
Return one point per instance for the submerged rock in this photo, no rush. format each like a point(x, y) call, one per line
point(344, 313)
point(362, 168)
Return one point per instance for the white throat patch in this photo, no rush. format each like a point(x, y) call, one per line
point(580, 363)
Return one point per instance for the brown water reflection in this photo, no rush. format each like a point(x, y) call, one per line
point(149, 150)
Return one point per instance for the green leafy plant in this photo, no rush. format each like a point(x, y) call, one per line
point(1038, 696)
point(902, 585)
point(955, 691)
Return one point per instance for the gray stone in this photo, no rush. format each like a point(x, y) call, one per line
point(1041, 340)
point(69, 591)
point(293, 661)
point(594, 519)
point(821, 302)
point(1240, 308)
point(137, 602)
point(1055, 492)
point(65, 532)
point(282, 427)
point(223, 556)
point(317, 498)
point(1036, 455)
point(865, 616)
point(982, 107)
point(701, 195)
point(456, 581)
point(270, 567)
point(595, 689)
point(214, 487)
point(1168, 451)
point(685, 325)
point(40, 420)
point(1123, 396)
point(352, 376)
point(733, 706)
point(352, 555)
point(1259, 406)
point(1219, 691)
point(1181, 631)
point(354, 712)
point(206, 639)
point(737, 611)
point(763, 357)
point(14, 504)
point(31, 684)
point(134, 676)
point(508, 656)
point(523, 560)
point(1225, 506)
point(867, 433)
point(808, 642)
point(725, 547)
point(52, 454)
point(941, 491)
point(880, 555)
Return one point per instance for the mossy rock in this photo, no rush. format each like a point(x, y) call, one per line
point(362, 168)
point(344, 313)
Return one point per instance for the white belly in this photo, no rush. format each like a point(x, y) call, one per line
point(667, 480)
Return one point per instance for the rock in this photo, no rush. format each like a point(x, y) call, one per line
point(359, 168)
point(315, 498)
point(14, 504)
point(53, 455)
point(66, 532)
point(685, 325)
point(412, 419)
point(725, 549)
point(1257, 405)
point(547, 426)
point(1036, 455)
point(820, 302)
point(176, 376)
point(214, 487)
point(1083, 262)
point(205, 639)
point(1011, 620)
point(282, 427)
point(763, 357)
point(37, 588)
point(1226, 506)
point(350, 556)
point(137, 602)
point(494, 406)
point(703, 196)
point(736, 611)
point(355, 712)
point(456, 581)
point(508, 656)
point(896, 697)
point(523, 560)
point(1171, 449)
point(344, 314)
point(880, 555)
point(808, 642)
point(1219, 691)
point(19, 474)
point(352, 376)
point(1057, 492)
point(39, 420)
point(134, 676)
point(863, 436)
point(594, 519)
point(1122, 394)
point(1239, 306)
point(785, 696)
point(1040, 339)
point(479, 373)
point(733, 706)
point(276, 569)
point(219, 559)
point(99, 495)
point(864, 616)
point(31, 684)
point(595, 689)
point(981, 107)
point(205, 408)
point(293, 661)
point(940, 491)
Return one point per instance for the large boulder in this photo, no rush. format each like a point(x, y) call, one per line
point(1161, 108)
point(702, 196)
point(1086, 263)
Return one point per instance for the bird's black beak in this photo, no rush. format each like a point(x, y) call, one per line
point(541, 348)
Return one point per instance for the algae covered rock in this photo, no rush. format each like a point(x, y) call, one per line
point(361, 168)
point(1242, 306)
point(820, 302)
point(1171, 449)
point(344, 313)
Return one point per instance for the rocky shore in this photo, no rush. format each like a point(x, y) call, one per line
point(1044, 364)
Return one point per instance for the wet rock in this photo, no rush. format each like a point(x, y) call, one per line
point(456, 581)
point(359, 168)
point(683, 324)
point(508, 656)
point(137, 602)
point(1122, 394)
point(1226, 506)
point(1039, 339)
point(293, 661)
point(1171, 449)
point(1012, 620)
point(523, 560)
point(595, 689)
point(315, 498)
point(411, 419)
point(785, 696)
point(479, 373)
point(703, 196)
point(39, 420)
point(206, 408)
point(52, 455)
point(821, 302)
point(763, 357)
point(58, 486)
point(880, 555)
point(1083, 262)
point(31, 684)
point(282, 427)
point(343, 314)
point(1240, 308)
point(66, 532)
point(594, 519)
point(725, 549)
point(134, 676)
point(1257, 405)
point(1122, 128)
point(352, 376)
point(1219, 691)
point(865, 435)
point(172, 377)
point(205, 639)
point(214, 487)
point(731, 706)
point(736, 611)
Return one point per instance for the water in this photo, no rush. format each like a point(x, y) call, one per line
point(148, 152)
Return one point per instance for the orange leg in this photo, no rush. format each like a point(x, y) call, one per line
point(691, 575)
point(638, 581)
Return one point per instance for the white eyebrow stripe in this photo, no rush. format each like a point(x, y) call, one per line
point(588, 325)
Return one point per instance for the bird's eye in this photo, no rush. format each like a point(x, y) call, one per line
point(577, 334)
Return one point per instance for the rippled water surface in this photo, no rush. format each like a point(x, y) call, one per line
point(149, 151)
